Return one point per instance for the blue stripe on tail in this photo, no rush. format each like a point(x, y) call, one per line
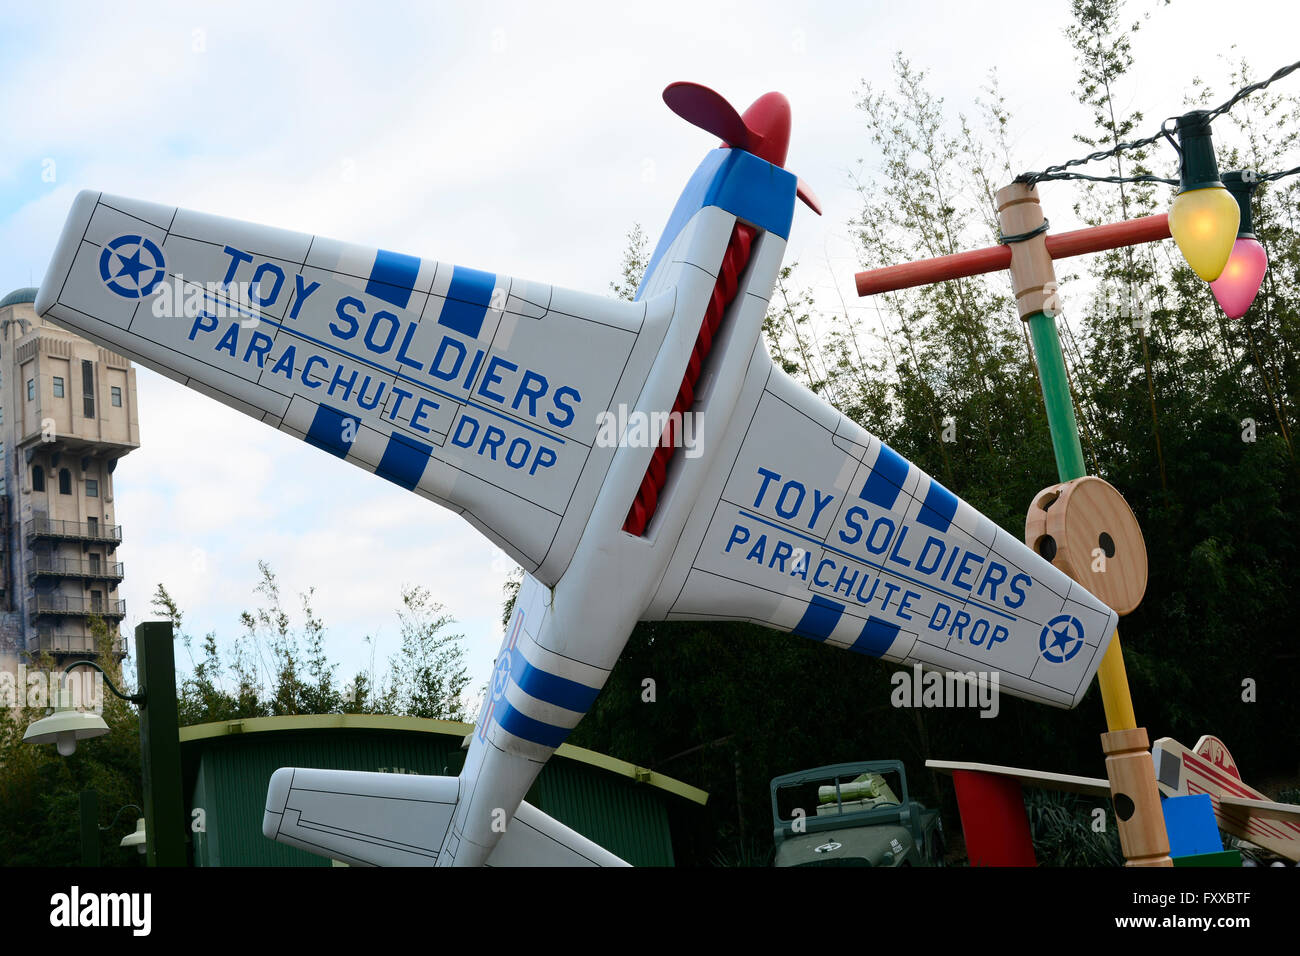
point(550, 688)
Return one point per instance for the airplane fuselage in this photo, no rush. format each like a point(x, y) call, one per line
point(562, 642)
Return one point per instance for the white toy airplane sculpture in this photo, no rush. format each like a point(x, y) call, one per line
point(498, 398)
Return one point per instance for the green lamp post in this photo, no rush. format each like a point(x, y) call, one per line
point(160, 747)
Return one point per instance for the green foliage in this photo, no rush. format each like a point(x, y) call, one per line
point(1061, 827)
point(39, 790)
point(510, 593)
point(428, 674)
point(276, 666)
point(750, 853)
point(636, 257)
point(279, 667)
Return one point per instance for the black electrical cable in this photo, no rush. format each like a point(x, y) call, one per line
point(1060, 171)
point(1245, 91)
point(1270, 177)
point(1024, 236)
point(1047, 177)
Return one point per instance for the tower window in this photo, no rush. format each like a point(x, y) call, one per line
point(92, 488)
point(38, 478)
point(88, 388)
point(31, 390)
point(58, 387)
point(116, 396)
point(65, 481)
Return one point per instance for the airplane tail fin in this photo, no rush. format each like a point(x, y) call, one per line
point(385, 819)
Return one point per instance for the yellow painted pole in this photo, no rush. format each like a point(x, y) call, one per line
point(1113, 681)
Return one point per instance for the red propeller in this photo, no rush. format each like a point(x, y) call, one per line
point(763, 129)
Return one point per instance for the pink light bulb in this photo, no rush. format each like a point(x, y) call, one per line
point(1239, 283)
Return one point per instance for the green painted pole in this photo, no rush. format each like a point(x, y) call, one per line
point(160, 744)
point(1111, 675)
point(1056, 396)
point(89, 828)
point(1033, 281)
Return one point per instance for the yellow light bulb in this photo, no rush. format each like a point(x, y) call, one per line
point(1204, 224)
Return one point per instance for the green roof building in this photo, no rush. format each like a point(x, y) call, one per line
point(631, 811)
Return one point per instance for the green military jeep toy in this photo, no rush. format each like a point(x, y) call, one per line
point(853, 814)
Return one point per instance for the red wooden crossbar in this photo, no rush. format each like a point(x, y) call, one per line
point(1063, 245)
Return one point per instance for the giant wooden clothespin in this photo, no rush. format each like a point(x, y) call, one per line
point(1067, 521)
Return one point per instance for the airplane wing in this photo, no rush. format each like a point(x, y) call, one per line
point(1271, 810)
point(478, 391)
point(1239, 808)
point(1097, 787)
point(812, 525)
point(386, 819)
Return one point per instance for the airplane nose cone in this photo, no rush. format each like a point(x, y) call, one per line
point(769, 117)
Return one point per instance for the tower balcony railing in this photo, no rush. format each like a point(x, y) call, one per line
point(74, 604)
point(45, 564)
point(42, 527)
point(60, 642)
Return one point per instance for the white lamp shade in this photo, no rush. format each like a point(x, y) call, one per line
point(137, 837)
point(64, 728)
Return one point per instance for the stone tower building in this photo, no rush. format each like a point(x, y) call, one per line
point(67, 414)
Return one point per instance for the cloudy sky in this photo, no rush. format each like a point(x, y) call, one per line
point(519, 138)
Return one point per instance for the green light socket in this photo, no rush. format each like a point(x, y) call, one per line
point(1241, 183)
point(1200, 170)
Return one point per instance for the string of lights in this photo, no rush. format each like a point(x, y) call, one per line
point(1060, 171)
point(1044, 177)
point(1049, 176)
point(1245, 91)
point(1210, 217)
point(1063, 170)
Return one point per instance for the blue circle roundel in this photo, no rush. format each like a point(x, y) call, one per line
point(1062, 638)
point(132, 266)
point(501, 677)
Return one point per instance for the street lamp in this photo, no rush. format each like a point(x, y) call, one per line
point(165, 820)
point(67, 725)
point(135, 838)
point(90, 828)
